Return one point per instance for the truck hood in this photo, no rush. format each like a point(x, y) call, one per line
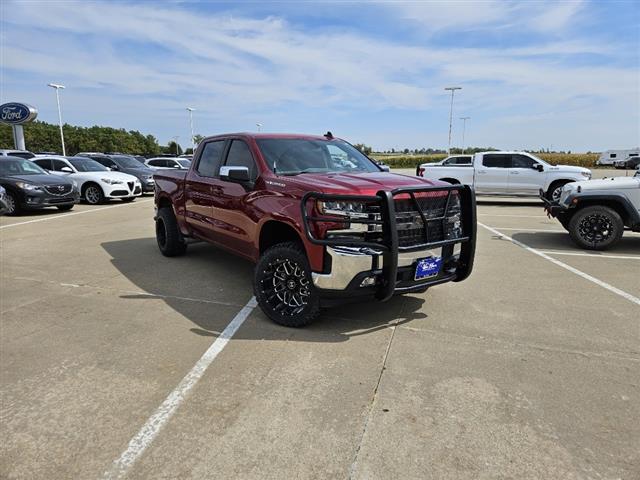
point(567, 168)
point(355, 183)
point(612, 183)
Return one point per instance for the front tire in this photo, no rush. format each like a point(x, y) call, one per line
point(170, 240)
point(596, 228)
point(13, 204)
point(283, 286)
point(93, 194)
point(555, 190)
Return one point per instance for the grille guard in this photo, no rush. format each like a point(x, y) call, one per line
point(390, 244)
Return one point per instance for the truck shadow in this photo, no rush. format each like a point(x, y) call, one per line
point(560, 241)
point(208, 286)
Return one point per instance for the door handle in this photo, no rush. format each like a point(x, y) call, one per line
point(482, 171)
point(515, 173)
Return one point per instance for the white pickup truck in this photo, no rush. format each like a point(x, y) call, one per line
point(518, 174)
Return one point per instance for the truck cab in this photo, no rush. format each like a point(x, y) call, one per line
point(503, 173)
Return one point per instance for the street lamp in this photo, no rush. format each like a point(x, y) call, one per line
point(58, 87)
point(464, 127)
point(193, 143)
point(453, 89)
point(259, 125)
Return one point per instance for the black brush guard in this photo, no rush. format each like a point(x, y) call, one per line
point(390, 245)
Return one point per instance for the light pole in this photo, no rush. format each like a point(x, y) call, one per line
point(453, 89)
point(193, 143)
point(259, 125)
point(58, 87)
point(464, 127)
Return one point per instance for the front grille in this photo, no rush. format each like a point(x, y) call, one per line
point(137, 190)
point(410, 225)
point(58, 190)
point(119, 193)
point(130, 185)
point(58, 200)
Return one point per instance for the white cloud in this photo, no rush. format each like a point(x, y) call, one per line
point(233, 67)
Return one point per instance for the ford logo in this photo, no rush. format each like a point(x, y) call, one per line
point(17, 113)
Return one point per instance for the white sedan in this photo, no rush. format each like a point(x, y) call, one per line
point(164, 163)
point(96, 182)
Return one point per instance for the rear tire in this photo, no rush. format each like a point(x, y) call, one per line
point(283, 286)
point(596, 228)
point(65, 208)
point(170, 240)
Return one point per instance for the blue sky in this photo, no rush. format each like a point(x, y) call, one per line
point(535, 74)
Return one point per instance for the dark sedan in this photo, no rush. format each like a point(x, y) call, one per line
point(126, 164)
point(29, 187)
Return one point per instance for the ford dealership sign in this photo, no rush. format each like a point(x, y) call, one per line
point(17, 113)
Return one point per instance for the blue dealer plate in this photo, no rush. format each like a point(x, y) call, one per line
point(428, 267)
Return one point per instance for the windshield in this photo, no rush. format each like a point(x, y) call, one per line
point(87, 165)
point(128, 162)
point(184, 163)
point(19, 167)
point(292, 156)
point(25, 155)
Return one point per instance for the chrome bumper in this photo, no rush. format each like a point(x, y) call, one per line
point(348, 262)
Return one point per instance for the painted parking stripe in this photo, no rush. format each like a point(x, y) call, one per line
point(146, 435)
point(593, 255)
point(510, 215)
point(530, 229)
point(66, 215)
point(580, 273)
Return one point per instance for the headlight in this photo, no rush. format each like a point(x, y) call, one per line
point(586, 174)
point(343, 209)
point(148, 177)
point(28, 186)
point(112, 182)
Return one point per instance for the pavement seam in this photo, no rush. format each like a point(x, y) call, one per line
point(72, 214)
point(354, 463)
point(532, 346)
point(124, 292)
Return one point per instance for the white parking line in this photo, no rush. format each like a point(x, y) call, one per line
point(586, 276)
point(596, 255)
point(510, 215)
point(530, 229)
point(66, 215)
point(165, 411)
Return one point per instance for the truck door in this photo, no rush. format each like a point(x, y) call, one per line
point(234, 227)
point(200, 189)
point(523, 178)
point(492, 175)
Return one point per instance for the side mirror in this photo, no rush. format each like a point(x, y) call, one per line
point(113, 168)
point(235, 174)
point(66, 170)
point(385, 168)
point(538, 167)
point(176, 166)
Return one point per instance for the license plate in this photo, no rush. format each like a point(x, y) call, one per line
point(428, 267)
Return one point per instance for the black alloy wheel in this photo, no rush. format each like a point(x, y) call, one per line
point(596, 227)
point(284, 288)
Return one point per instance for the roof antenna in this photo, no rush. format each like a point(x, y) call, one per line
point(329, 136)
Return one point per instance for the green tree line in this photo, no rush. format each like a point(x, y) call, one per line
point(45, 137)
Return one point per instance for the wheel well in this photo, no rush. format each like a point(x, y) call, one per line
point(612, 204)
point(274, 232)
point(555, 183)
point(88, 184)
point(452, 181)
point(164, 202)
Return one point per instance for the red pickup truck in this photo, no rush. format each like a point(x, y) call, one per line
point(321, 220)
